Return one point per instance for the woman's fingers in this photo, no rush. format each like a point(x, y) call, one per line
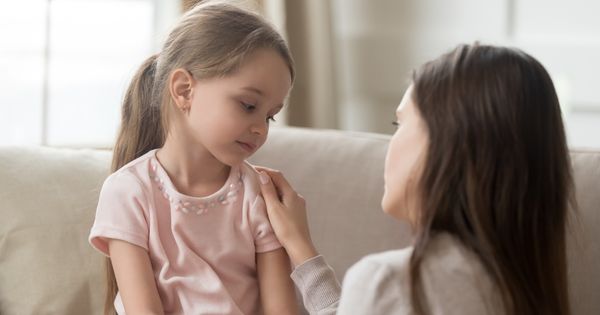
point(268, 190)
point(281, 184)
point(276, 210)
point(287, 215)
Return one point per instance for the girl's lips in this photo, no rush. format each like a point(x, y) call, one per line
point(247, 146)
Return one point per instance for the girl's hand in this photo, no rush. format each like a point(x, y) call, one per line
point(287, 212)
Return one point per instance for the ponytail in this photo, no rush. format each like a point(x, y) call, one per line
point(141, 127)
point(141, 131)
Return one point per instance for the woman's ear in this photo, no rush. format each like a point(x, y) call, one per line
point(180, 88)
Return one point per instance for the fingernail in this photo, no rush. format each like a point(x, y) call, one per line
point(264, 178)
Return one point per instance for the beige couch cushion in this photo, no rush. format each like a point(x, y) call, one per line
point(48, 199)
point(583, 247)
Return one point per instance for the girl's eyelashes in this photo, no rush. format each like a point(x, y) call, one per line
point(396, 124)
point(248, 107)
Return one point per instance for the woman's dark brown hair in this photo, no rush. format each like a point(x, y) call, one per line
point(497, 173)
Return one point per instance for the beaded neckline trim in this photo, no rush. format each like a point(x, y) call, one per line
point(228, 196)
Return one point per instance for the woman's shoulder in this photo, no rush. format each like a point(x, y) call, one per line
point(389, 268)
point(447, 257)
point(392, 261)
point(378, 284)
point(445, 254)
point(454, 278)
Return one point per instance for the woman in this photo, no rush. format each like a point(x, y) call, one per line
point(479, 166)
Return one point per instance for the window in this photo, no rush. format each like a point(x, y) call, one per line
point(65, 65)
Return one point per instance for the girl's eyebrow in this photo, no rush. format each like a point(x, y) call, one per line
point(253, 89)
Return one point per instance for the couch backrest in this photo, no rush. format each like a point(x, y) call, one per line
point(47, 205)
point(48, 198)
point(340, 174)
point(342, 180)
point(583, 246)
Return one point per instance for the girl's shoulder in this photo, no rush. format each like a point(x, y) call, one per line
point(133, 176)
point(138, 164)
point(250, 178)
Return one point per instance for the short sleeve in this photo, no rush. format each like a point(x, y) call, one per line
point(121, 213)
point(264, 237)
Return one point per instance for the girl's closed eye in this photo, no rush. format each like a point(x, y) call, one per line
point(248, 107)
point(396, 124)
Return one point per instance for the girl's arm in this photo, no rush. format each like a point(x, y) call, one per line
point(277, 292)
point(135, 278)
point(287, 213)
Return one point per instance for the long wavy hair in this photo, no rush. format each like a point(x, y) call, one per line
point(497, 173)
point(212, 39)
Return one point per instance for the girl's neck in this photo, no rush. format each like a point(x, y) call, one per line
point(193, 170)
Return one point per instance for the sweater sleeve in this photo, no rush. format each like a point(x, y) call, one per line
point(318, 285)
point(369, 288)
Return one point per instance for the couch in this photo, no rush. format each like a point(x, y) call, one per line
point(48, 198)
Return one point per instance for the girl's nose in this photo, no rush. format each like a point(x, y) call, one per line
point(260, 127)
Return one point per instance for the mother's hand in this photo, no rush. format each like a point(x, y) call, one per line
point(287, 212)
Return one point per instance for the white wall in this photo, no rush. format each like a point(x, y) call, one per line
point(378, 43)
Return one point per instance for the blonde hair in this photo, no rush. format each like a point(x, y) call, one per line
point(211, 40)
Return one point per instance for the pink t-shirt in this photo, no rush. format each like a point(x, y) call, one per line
point(203, 250)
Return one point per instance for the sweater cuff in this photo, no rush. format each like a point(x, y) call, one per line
point(317, 283)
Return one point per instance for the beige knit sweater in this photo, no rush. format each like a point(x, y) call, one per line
point(454, 280)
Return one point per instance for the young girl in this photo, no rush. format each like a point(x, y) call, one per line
point(181, 218)
point(479, 166)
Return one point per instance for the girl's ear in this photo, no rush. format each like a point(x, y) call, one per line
point(180, 88)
